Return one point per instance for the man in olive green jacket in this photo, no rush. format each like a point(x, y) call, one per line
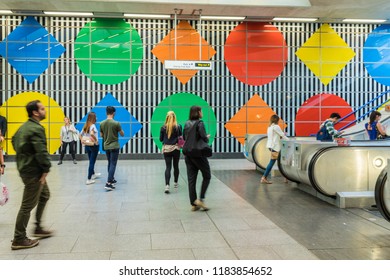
point(33, 163)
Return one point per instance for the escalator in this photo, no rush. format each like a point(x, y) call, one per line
point(382, 194)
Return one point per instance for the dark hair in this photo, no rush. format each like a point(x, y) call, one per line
point(31, 107)
point(195, 112)
point(373, 116)
point(274, 119)
point(110, 110)
point(335, 115)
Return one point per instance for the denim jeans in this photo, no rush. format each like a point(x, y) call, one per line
point(112, 157)
point(92, 152)
point(269, 167)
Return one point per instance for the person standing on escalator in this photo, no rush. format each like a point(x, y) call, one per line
point(327, 131)
point(374, 128)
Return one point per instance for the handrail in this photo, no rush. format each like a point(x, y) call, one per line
point(361, 107)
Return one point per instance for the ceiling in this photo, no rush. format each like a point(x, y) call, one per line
point(325, 10)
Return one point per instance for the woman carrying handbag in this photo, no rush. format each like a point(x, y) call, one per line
point(275, 134)
point(196, 151)
point(90, 132)
point(169, 136)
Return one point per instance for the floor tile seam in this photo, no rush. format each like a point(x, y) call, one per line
point(264, 214)
point(368, 220)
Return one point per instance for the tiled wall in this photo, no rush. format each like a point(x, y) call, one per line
point(283, 77)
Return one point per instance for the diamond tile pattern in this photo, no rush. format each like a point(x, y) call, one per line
point(187, 48)
point(252, 118)
point(325, 53)
point(130, 125)
point(30, 49)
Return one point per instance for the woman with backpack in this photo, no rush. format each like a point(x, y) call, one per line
point(327, 131)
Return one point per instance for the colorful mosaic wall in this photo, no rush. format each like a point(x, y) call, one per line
point(300, 71)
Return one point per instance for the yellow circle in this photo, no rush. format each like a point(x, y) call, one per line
point(14, 110)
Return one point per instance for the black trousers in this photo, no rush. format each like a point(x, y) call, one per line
point(72, 148)
point(194, 164)
point(174, 157)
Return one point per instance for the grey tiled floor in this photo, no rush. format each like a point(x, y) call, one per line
point(139, 221)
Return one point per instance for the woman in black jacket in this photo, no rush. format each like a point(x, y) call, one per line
point(169, 134)
point(194, 131)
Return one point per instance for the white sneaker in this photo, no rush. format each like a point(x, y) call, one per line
point(166, 189)
point(175, 185)
point(89, 182)
point(96, 175)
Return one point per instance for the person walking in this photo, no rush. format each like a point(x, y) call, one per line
point(33, 164)
point(68, 135)
point(194, 131)
point(109, 130)
point(274, 133)
point(90, 131)
point(374, 128)
point(169, 135)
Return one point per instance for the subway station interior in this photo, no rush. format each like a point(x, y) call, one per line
point(241, 63)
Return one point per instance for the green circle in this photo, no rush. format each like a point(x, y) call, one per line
point(108, 51)
point(181, 103)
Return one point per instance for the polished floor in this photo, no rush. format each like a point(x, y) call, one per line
point(138, 220)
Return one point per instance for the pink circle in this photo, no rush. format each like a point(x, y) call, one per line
point(255, 53)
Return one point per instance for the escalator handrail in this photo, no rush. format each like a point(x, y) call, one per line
point(361, 107)
point(379, 196)
point(362, 130)
point(315, 157)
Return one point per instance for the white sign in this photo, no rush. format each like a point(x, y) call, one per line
point(188, 65)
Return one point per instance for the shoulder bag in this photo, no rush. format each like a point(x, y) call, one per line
point(195, 146)
point(87, 140)
point(4, 194)
point(180, 139)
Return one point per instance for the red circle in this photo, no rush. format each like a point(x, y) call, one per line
point(255, 53)
point(317, 109)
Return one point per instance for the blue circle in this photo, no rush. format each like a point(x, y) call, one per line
point(376, 54)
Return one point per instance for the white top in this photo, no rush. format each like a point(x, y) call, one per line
point(274, 134)
point(67, 132)
point(95, 132)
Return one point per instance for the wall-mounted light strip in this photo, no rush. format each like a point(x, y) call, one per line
point(4, 12)
point(295, 19)
point(146, 16)
point(221, 18)
point(355, 20)
point(68, 13)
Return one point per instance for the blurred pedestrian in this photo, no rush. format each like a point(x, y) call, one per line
point(33, 164)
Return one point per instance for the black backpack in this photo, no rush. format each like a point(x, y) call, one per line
point(323, 134)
